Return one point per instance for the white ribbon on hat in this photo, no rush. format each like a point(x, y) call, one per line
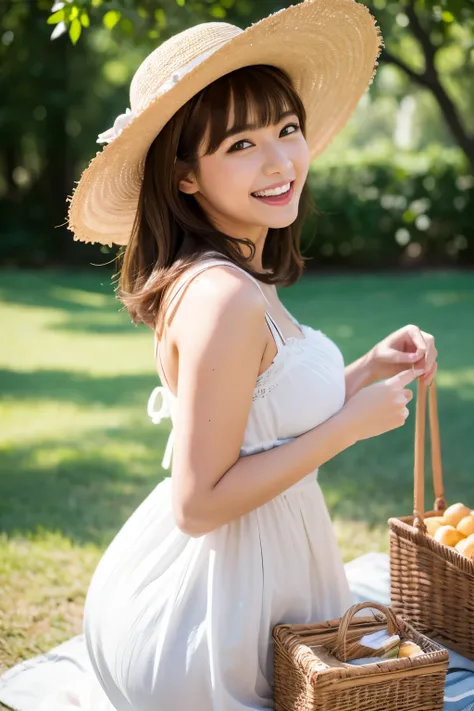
point(123, 120)
point(119, 124)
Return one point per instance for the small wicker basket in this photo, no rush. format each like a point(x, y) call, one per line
point(431, 585)
point(311, 672)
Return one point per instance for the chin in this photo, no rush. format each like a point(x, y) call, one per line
point(282, 221)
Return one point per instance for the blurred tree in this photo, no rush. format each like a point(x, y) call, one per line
point(56, 96)
point(419, 35)
point(33, 150)
point(427, 39)
point(50, 107)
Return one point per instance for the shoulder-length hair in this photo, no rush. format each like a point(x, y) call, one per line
point(170, 230)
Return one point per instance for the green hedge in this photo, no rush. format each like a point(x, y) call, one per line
point(375, 211)
point(391, 211)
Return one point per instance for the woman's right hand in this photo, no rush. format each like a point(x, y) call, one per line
point(381, 407)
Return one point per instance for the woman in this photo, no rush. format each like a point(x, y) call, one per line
point(204, 184)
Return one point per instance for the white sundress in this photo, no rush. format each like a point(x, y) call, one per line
point(174, 623)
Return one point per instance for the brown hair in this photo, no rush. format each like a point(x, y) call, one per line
point(171, 231)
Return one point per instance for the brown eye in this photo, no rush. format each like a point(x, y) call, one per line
point(235, 146)
point(291, 125)
point(239, 143)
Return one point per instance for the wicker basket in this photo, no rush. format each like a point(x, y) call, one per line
point(311, 672)
point(431, 584)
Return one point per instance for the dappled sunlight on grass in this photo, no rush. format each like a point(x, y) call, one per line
point(30, 420)
point(78, 452)
point(80, 297)
point(83, 485)
point(461, 380)
point(344, 331)
point(44, 582)
point(98, 344)
point(352, 537)
point(446, 298)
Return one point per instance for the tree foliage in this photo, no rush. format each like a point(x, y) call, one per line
point(422, 38)
point(418, 33)
point(65, 69)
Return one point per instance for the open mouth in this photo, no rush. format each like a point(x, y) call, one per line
point(277, 196)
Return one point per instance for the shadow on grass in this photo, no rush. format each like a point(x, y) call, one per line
point(358, 311)
point(374, 480)
point(355, 310)
point(78, 388)
point(86, 487)
point(58, 289)
point(85, 300)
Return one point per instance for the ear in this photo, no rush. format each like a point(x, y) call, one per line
point(187, 182)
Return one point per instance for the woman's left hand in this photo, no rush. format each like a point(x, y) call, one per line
point(400, 350)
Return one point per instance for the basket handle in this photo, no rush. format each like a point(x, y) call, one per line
point(419, 490)
point(340, 647)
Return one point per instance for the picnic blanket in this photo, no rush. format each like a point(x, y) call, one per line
point(24, 687)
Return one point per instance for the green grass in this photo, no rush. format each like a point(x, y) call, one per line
point(78, 452)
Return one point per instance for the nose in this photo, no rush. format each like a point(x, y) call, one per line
point(277, 160)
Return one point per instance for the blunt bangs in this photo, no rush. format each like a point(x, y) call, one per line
point(259, 95)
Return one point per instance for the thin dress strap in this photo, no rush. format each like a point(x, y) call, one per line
point(274, 328)
point(157, 353)
point(165, 393)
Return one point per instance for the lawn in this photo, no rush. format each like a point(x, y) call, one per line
point(78, 452)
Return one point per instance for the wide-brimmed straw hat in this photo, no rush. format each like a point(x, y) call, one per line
point(329, 49)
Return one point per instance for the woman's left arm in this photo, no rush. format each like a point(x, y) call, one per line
point(398, 351)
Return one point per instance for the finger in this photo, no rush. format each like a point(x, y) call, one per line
point(416, 336)
point(431, 350)
point(408, 395)
point(405, 377)
point(430, 375)
point(402, 357)
point(431, 357)
point(404, 397)
point(429, 369)
point(427, 337)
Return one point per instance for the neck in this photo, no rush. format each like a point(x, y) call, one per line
point(256, 262)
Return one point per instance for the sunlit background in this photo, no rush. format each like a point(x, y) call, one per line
point(393, 244)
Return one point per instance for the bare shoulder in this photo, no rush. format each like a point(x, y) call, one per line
point(220, 299)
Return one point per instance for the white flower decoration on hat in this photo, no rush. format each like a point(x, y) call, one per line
point(119, 124)
point(124, 119)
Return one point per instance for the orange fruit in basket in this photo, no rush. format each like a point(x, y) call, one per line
point(466, 525)
point(466, 546)
point(409, 649)
point(448, 536)
point(455, 513)
point(433, 523)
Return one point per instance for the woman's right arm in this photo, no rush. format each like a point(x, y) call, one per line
point(220, 333)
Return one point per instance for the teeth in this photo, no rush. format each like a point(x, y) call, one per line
point(275, 191)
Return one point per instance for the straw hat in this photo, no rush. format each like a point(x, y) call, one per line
point(328, 48)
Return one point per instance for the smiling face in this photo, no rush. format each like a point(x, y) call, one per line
point(253, 142)
point(203, 173)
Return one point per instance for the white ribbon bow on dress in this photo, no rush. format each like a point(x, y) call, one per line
point(158, 415)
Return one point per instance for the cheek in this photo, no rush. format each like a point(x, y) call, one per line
point(301, 157)
point(225, 181)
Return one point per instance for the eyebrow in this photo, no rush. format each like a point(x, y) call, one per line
point(251, 126)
